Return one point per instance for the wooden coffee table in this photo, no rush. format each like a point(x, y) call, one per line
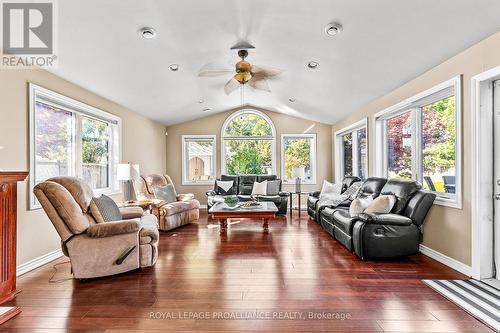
point(221, 212)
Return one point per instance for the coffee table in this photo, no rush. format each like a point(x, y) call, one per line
point(221, 212)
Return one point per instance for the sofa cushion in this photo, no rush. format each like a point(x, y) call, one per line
point(273, 187)
point(179, 207)
point(235, 180)
point(403, 190)
point(246, 184)
point(166, 193)
point(114, 228)
point(225, 187)
point(261, 178)
point(383, 204)
point(344, 221)
point(359, 205)
point(131, 212)
point(270, 198)
point(259, 188)
point(105, 209)
point(348, 181)
point(371, 187)
point(65, 206)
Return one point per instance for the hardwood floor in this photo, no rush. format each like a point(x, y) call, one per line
point(296, 270)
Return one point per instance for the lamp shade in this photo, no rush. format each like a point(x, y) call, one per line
point(135, 172)
point(123, 172)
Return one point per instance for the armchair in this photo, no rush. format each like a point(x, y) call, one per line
point(170, 215)
point(97, 250)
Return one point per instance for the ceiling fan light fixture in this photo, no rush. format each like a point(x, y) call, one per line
point(292, 100)
point(207, 109)
point(333, 29)
point(174, 67)
point(201, 101)
point(147, 33)
point(313, 64)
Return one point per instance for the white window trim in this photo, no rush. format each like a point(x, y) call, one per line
point(312, 154)
point(409, 104)
point(339, 152)
point(82, 109)
point(212, 137)
point(224, 138)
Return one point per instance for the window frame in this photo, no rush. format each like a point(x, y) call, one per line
point(224, 138)
point(414, 105)
point(313, 156)
point(185, 181)
point(78, 110)
point(339, 151)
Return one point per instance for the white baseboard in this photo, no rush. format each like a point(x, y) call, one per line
point(448, 261)
point(37, 262)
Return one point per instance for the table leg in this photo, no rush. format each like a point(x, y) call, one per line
point(291, 202)
point(223, 226)
point(299, 202)
point(266, 225)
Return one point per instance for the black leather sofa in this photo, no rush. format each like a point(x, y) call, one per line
point(242, 188)
point(312, 200)
point(372, 236)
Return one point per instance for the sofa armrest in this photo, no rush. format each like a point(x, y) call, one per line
point(185, 197)
point(284, 194)
point(315, 194)
point(211, 193)
point(131, 212)
point(107, 229)
point(388, 219)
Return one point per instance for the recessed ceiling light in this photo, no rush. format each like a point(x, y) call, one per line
point(207, 109)
point(332, 29)
point(174, 67)
point(291, 100)
point(312, 64)
point(201, 101)
point(147, 33)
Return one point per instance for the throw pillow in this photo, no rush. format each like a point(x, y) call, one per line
point(104, 209)
point(259, 188)
point(359, 205)
point(382, 205)
point(330, 188)
point(225, 187)
point(273, 187)
point(166, 193)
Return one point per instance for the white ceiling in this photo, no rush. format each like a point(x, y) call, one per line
point(385, 43)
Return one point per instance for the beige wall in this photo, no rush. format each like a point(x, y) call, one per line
point(446, 230)
point(143, 142)
point(213, 124)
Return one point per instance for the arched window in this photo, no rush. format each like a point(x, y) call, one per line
point(248, 144)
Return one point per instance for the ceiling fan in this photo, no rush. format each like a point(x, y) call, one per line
point(246, 73)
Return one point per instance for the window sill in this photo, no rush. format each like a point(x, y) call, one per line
point(452, 203)
point(301, 183)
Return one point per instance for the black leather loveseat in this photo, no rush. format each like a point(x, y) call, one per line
point(372, 236)
point(242, 188)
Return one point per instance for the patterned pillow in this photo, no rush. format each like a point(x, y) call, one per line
point(166, 193)
point(104, 209)
point(225, 187)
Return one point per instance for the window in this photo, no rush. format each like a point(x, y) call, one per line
point(298, 158)
point(248, 144)
point(351, 151)
point(419, 140)
point(198, 159)
point(69, 138)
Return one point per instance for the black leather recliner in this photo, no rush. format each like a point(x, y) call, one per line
point(395, 234)
point(312, 200)
point(242, 187)
point(371, 187)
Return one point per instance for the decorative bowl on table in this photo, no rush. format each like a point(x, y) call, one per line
point(231, 201)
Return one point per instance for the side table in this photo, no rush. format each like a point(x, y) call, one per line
point(299, 195)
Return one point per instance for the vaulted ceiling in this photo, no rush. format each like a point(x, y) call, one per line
point(385, 43)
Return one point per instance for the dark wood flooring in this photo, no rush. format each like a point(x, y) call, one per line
point(296, 270)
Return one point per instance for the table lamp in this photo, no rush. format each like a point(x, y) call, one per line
point(298, 174)
point(128, 173)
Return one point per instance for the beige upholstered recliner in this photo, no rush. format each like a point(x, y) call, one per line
point(97, 249)
point(172, 215)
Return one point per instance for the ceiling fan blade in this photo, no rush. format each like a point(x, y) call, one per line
point(259, 84)
point(266, 72)
point(215, 72)
point(231, 86)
